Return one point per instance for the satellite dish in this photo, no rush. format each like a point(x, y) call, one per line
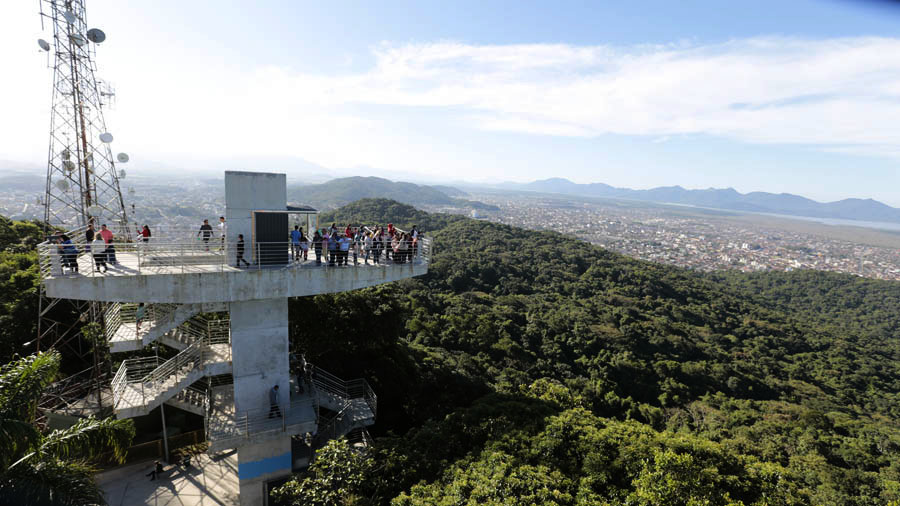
point(96, 35)
point(65, 154)
point(122, 174)
point(94, 210)
point(122, 157)
point(78, 39)
point(106, 137)
point(70, 17)
point(62, 184)
point(68, 165)
point(44, 44)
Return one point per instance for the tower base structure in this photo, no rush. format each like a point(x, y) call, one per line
point(163, 292)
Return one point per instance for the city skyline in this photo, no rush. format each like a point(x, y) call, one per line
point(762, 97)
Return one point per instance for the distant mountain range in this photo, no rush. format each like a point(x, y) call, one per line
point(342, 191)
point(728, 198)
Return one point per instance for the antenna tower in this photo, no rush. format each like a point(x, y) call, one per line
point(82, 184)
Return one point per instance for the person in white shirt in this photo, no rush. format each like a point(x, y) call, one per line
point(222, 232)
point(98, 249)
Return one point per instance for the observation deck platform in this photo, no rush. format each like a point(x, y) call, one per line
point(186, 273)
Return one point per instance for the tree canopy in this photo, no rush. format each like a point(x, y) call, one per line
point(531, 367)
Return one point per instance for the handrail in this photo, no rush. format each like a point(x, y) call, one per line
point(349, 390)
point(246, 424)
point(216, 255)
point(149, 370)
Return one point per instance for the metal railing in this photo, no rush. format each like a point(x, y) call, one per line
point(137, 258)
point(176, 249)
point(154, 377)
point(155, 315)
point(290, 418)
point(349, 390)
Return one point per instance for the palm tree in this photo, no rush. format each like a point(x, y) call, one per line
point(54, 468)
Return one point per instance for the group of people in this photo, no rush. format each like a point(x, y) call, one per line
point(99, 244)
point(376, 243)
point(332, 246)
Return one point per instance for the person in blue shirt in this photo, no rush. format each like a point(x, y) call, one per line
point(69, 253)
point(295, 243)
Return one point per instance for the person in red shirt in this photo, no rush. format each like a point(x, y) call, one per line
point(107, 236)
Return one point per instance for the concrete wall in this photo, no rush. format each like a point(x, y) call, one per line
point(230, 286)
point(251, 191)
point(259, 352)
point(260, 360)
point(260, 463)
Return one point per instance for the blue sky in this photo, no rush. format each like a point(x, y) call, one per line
point(798, 96)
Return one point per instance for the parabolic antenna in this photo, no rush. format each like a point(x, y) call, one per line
point(69, 166)
point(70, 17)
point(62, 184)
point(122, 157)
point(95, 210)
point(65, 154)
point(44, 44)
point(122, 174)
point(78, 39)
point(96, 35)
point(106, 137)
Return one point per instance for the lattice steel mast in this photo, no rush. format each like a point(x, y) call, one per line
point(82, 182)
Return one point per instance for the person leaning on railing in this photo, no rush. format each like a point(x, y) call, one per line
point(69, 253)
point(317, 246)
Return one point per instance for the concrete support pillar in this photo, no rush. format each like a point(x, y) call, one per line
point(259, 351)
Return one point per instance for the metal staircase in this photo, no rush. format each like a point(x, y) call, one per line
point(142, 384)
point(191, 399)
point(352, 406)
point(159, 320)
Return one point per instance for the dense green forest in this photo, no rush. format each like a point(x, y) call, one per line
point(533, 368)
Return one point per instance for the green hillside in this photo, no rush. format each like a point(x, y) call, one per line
point(532, 368)
point(339, 192)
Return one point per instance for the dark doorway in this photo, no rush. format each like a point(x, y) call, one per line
point(271, 238)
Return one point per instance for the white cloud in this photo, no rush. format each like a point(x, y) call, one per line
point(839, 95)
point(767, 90)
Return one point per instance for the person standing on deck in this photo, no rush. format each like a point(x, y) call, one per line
point(317, 245)
point(295, 243)
point(206, 231)
point(109, 248)
point(222, 231)
point(273, 403)
point(89, 236)
point(98, 250)
point(240, 252)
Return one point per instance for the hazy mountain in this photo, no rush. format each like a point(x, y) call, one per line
point(339, 192)
point(728, 198)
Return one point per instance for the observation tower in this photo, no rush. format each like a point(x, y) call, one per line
point(226, 326)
